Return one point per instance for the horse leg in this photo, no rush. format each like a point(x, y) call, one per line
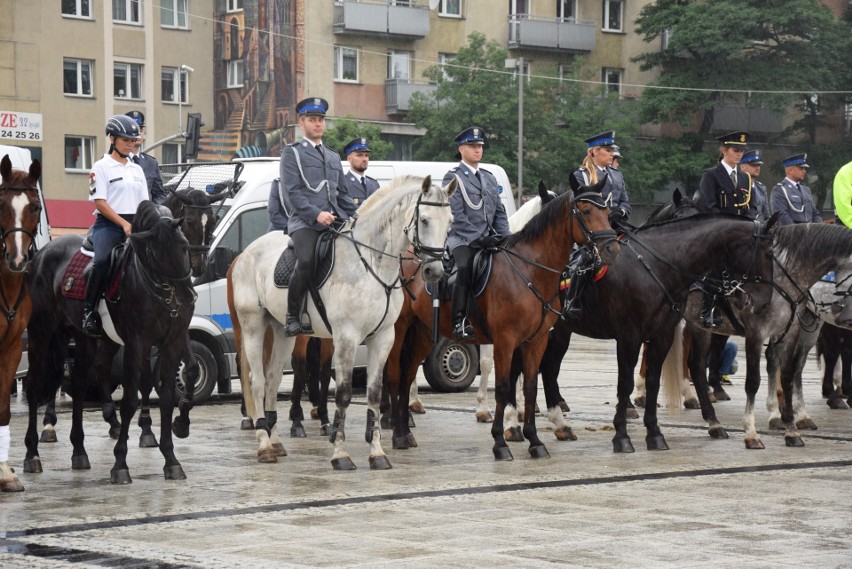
point(48, 434)
point(415, 404)
point(168, 362)
point(795, 353)
point(639, 391)
point(828, 345)
point(299, 364)
point(557, 346)
point(503, 393)
point(690, 400)
point(699, 345)
point(714, 365)
point(531, 358)
point(147, 438)
point(312, 370)
point(180, 426)
point(513, 432)
point(344, 358)
point(134, 356)
point(486, 364)
point(846, 364)
point(274, 370)
point(378, 348)
point(657, 350)
point(326, 352)
point(417, 343)
point(628, 354)
point(773, 392)
point(9, 481)
point(102, 367)
point(85, 353)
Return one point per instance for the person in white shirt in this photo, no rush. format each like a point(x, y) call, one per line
point(117, 185)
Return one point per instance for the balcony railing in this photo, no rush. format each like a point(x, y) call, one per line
point(400, 19)
point(727, 118)
point(398, 94)
point(566, 34)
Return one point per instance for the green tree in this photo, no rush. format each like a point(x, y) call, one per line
point(747, 45)
point(345, 129)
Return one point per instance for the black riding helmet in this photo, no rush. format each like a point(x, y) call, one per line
point(123, 126)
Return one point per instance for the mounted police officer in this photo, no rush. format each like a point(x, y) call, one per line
point(148, 163)
point(360, 185)
point(315, 195)
point(479, 219)
point(791, 199)
point(117, 186)
point(750, 163)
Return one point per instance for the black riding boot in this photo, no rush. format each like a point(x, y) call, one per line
point(462, 329)
point(709, 318)
point(579, 268)
point(295, 300)
point(91, 319)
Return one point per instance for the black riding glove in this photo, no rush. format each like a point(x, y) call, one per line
point(617, 215)
point(491, 241)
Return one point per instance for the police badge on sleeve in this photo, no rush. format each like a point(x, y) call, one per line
point(91, 183)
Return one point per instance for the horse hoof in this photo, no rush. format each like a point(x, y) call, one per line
point(412, 442)
point(776, 424)
point(279, 449)
point(417, 407)
point(386, 422)
point(48, 436)
point(718, 432)
point(806, 425)
point(692, 403)
point(754, 444)
point(565, 434)
point(640, 402)
point(80, 462)
point(794, 441)
point(246, 424)
point(484, 417)
point(11, 485)
point(267, 456)
point(120, 477)
point(114, 432)
point(632, 413)
point(502, 453)
point(712, 397)
point(538, 451)
point(32, 465)
point(400, 443)
point(174, 472)
point(380, 462)
point(564, 407)
point(513, 434)
point(147, 440)
point(314, 413)
point(622, 445)
point(537, 408)
point(298, 432)
point(343, 463)
point(326, 430)
point(721, 395)
point(656, 442)
point(411, 424)
point(833, 403)
point(180, 427)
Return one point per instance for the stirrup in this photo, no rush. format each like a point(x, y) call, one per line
point(92, 324)
point(293, 326)
point(710, 319)
point(462, 330)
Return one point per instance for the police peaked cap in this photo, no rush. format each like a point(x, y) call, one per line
point(800, 160)
point(312, 106)
point(602, 139)
point(736, 138)
point(472, 135)
point(752, 157)
point(355, 145)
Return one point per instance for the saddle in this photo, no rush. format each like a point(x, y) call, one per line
point(323, 261)
point(76, 273)
point(482, 263)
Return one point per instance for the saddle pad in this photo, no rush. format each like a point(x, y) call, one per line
point(287, 263)
point(482, 264)
point(73, 281)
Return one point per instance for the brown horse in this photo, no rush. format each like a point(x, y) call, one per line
point(20, 209)
point(517, 308)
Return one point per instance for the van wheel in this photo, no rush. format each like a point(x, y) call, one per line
point(207, 373)
point(451, 367)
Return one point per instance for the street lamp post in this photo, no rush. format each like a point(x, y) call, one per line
point(518, 64)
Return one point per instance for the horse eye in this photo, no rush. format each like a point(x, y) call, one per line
point(424, 221)
point(35, 208)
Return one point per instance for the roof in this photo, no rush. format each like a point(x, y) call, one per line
point(70, 213)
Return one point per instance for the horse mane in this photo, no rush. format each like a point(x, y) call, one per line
point(147, 215)
point(389, 196)
point(542, 222)
point(813, 241)
point(527, 211)
point(693, 219)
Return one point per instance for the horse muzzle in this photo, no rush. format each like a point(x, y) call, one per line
point(433, 271)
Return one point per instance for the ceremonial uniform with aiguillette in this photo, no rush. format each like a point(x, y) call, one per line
point(360, 186)
point(479, 220)
point(791, 199)
point(312, 181)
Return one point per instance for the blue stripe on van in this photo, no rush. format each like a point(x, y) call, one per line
point(223, 320)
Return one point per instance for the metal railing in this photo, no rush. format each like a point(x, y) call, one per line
point(398, 94)
point(400, 19)
point(567, 34)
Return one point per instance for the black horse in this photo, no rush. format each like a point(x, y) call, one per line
point(641, 298)
point(152, 307)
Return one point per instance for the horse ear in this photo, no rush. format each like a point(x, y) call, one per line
point(213, 198)
point(771, 223)
point(542, 190)
point(175, 223)
point(6, 167)
point(35, 171)
point(677, 197)
point(452, 186)
point(427, 184)
point(601, 184)
point(575, 184)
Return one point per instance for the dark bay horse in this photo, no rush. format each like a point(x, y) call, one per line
point(153, 308)
point(641, 299)
point(20, 208)
point(517, 308)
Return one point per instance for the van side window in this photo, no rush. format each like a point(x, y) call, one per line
point(248, 226)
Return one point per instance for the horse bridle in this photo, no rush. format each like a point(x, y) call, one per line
point(432, 253)
point(202, 249)
point(607, 235)
point(165, 290)
point(32, 249)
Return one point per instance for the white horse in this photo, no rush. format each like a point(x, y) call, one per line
point(362, 300)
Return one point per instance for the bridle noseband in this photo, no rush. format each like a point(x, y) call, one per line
point(421, 250)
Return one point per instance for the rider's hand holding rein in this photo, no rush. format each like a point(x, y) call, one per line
point(105, 210)
point(326, 218)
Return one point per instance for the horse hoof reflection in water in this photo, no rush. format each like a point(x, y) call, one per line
point(156, 277)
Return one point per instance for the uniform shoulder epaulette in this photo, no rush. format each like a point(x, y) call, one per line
point(370, 177)
point(295, 143)
point(456, 169)
point(486, 171)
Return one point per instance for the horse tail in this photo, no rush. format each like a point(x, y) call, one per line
point(672, 371)
point(243, 365)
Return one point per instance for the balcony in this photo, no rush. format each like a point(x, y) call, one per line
point(398, 94)
point(401, 20)
point(562, 34)
point(728, 118)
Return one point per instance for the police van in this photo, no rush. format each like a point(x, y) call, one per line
point(242, 219)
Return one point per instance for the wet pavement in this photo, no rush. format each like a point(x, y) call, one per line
point(704, 503)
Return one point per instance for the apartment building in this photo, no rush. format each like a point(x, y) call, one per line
point(68, 65)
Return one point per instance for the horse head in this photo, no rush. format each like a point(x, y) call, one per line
point(431, 221)
point(20, 211)
point(195, 207)
point(162, 248)
point(592, 228)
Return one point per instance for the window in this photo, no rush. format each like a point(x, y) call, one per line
point(345, 64)
point(235, 73)
point(172, 153)
point(566, 9)
point(611, 78)
point(399, 65)
point(248, 226)
point(174, 85)
point(127, 11)
point(78, 152)
point(612, 15)
point(443, 60)
point(77, 77)
point(235, 5)
point(665, 38)
point(450, 8)
point(127, 81)
point(77, 8)
point(173, 13)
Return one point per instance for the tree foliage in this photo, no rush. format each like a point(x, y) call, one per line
point(343, 130)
